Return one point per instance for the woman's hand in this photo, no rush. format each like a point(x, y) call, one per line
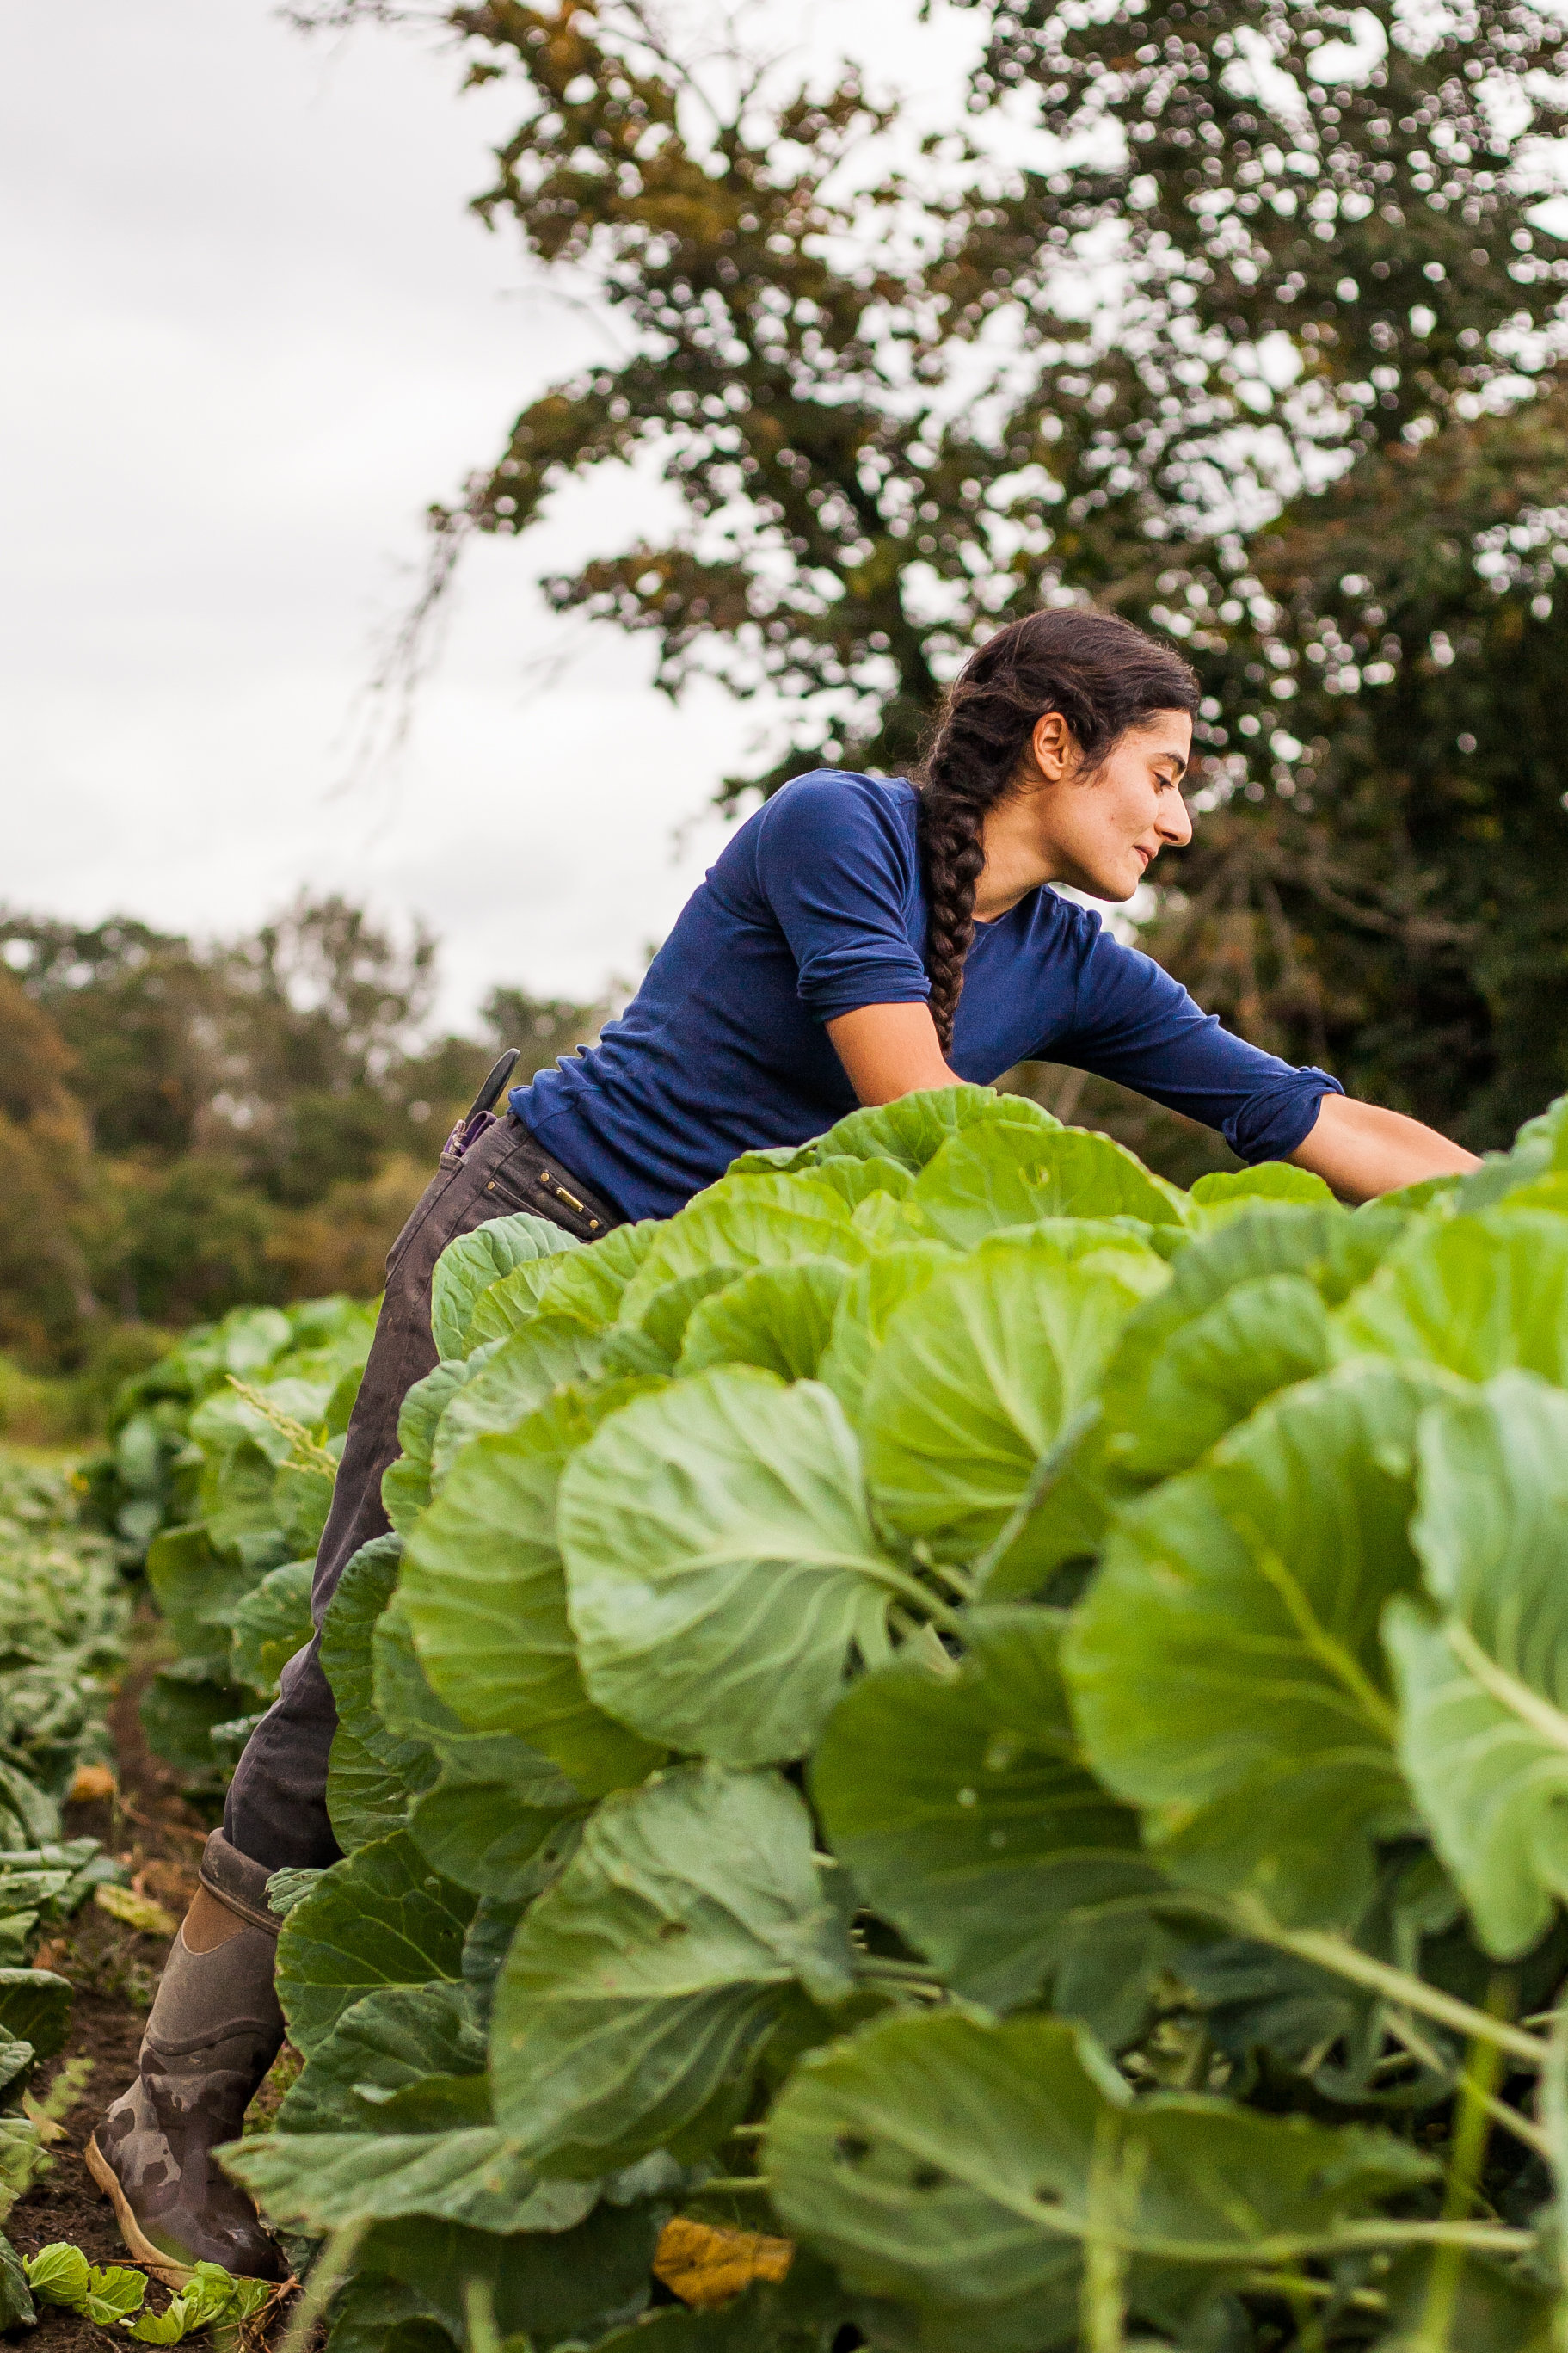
point(1362, 1150)
point(889, 1050)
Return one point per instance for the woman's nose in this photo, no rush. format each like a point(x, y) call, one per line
point(1176, 822)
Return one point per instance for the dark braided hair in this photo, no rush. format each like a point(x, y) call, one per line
point(1100, 673)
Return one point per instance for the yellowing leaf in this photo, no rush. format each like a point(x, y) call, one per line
point(138, 1912)
point(706, 2265)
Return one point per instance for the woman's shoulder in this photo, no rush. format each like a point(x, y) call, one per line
point(837, 812)
point(843, 796)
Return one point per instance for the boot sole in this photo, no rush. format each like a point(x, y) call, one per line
point(152, 2259)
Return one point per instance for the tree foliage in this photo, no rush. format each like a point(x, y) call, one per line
point(185, 1127)
point(1251, 336)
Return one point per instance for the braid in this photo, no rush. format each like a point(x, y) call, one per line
point(1100, 673)
point(954, 858)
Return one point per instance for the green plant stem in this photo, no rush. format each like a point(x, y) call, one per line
point(326, 2275)
point(1343, 1959)
point(1115, 2172)
point(1042, 1479)
point(1555, 2124)
point(1500, 2113)
point(1302, 2284)
point(479, 2312)
point(736, 2182)
point(1271, 2254)
point(913, 1974)
point(1485, 2238)
point(933, 1609)
point(1477, 2088)
point(953, 1578)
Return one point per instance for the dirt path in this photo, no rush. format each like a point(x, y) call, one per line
point(158, 1833)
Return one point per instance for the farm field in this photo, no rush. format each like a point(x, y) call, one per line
point(955, 1749)
point(100, 1845)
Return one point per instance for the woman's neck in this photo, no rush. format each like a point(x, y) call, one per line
point(1015, 860)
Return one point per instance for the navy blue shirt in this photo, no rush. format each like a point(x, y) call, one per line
point(816, 908)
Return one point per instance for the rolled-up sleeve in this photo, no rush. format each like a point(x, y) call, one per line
point(1132, 1022)
point(836, 869)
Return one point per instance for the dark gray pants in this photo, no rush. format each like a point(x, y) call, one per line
point(277, 1807)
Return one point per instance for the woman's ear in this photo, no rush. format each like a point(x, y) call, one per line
point(1056, 753)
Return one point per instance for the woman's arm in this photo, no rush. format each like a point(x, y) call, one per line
point(889, 1050)
point(1362, 1150)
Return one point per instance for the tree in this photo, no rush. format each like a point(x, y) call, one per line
point(184, 1128)
point(44, 1290)
point(1263, 281)
point(543, 1029)
point(135, 1010)
point(1381, 882)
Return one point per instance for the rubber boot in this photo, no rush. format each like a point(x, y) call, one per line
point(215, 2030)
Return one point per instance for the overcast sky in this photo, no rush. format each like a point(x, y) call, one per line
point(251, 330)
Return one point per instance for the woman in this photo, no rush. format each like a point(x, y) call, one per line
point(858, 939)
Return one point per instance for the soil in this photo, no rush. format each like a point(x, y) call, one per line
point(150, 1825)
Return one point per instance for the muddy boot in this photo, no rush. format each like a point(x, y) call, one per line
point(214, 2031)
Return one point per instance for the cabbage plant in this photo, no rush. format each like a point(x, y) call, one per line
point(219, 1476)
point(956, 1749)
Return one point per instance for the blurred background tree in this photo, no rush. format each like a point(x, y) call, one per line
point(1259, 346)
point(185, 1127)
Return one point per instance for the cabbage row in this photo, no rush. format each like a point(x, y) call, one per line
point(64, 1617)
point(218, 1476)
point(956, 1749)
point(64, 1614)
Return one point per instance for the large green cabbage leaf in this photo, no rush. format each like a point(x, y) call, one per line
point(960, 2166)
point(722, 1574)
point(866, 1306)
point(379, 1918)
point(981, 1375)
point(1226, 1670)
point(1484, 1684)
point(372, 1770)
point(639, 1990)
point(320, 2181)
point(779, 1317)
point(1234, 1325)
point(1232, 1190)
point(405, 1482)
point(956, 1797)
point(745, 1221)
point(1004, 1174)
point(517, 1375)
point(1477, 1294)
point(485, 1593)
point(387, 2048)
point(467, 1266)
point(913, 1130)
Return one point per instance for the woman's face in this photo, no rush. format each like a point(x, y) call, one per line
point(1102, 829)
